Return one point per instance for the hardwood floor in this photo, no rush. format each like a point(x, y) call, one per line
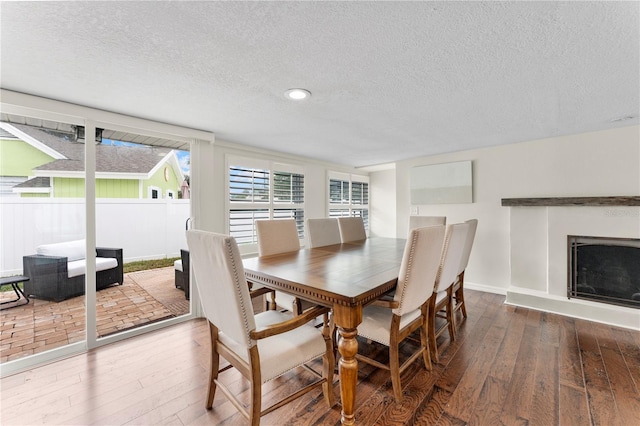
point(508, 366)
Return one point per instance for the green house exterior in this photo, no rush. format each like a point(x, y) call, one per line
point(48, 166)
point(118, 188)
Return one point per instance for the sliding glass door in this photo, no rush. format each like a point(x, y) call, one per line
point(71, 186)
point(142, 207)
point(42, 237)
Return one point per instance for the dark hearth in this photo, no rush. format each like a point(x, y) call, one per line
point(605, 270)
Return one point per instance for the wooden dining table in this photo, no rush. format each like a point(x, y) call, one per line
point(345, 277)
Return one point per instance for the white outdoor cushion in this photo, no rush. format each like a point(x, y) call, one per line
point(177, 265)
point(72, 250)
point(281, 353)
point(376, 323)
point(79, 267)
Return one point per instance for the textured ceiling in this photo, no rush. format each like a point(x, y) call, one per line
point(390, 80)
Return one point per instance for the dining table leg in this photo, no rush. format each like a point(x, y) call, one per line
point(347, 320)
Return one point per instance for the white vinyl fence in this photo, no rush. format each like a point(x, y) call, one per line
point(144, 229)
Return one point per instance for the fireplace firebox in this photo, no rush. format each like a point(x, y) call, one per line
point(604, 269)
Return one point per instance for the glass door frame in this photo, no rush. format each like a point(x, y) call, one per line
point(47, 109)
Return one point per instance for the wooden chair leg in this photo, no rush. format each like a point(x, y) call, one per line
point(255, 408)
point(459, 295)
point(450, 316)
point(460, 300)
point(215, 365)
point(272, 303)
point(394, 359)
point(328, 361)
point(297, 306)
point(432, 330)
point(334, 337)
point(424, 338)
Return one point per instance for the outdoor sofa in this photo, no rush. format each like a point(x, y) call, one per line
point(181, 272)
point(57, 271)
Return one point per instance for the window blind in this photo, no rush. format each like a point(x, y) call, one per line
point(259, 189)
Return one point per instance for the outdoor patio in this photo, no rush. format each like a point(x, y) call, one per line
point(145, 297)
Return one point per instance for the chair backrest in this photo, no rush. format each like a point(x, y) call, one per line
point(323, 232)
point(471, 234)
point(454, 242)
point(277, 236)
point(422, 221)
point(224, 293)
point(419, 267)
point(351, 229)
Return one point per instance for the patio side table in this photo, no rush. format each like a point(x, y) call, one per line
point(14, 281)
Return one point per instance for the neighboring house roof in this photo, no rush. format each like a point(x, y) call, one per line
point(37, 182)
point(5, 134)
point(109, 158)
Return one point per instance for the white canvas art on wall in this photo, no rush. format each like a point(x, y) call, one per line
point(448, 183)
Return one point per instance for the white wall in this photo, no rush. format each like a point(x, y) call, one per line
point(382, 196)
point(602, 163)
point(209, 196)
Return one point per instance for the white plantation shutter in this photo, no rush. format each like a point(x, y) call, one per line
point(248, 185)
point(259, 189)
point(349, 196)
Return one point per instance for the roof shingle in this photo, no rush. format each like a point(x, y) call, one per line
point(109, 158)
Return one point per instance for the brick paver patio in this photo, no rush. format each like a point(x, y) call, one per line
point(145, 297)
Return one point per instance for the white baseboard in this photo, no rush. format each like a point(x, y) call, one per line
point(485, 288)
point(619, 316)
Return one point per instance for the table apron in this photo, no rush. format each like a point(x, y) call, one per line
point(317, 297)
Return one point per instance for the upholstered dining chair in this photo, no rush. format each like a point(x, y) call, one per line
point(262, 346)
point(351, 229)
point(441, 305)
point(276, 237)
point(421, 221)
point(458, 286)
point(391, 322)
point(323, 232)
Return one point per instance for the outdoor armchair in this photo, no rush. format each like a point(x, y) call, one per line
point(57, 271)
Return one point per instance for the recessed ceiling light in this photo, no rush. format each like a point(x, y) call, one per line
point(297, 94)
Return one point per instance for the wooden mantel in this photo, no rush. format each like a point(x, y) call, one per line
point(571, 201)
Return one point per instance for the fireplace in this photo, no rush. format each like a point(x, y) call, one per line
point(605, 270)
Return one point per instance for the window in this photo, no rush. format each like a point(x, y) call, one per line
point(349, 196)
point(171, 194)
point(8, 185)
point(263, 190)
point(154, 192)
